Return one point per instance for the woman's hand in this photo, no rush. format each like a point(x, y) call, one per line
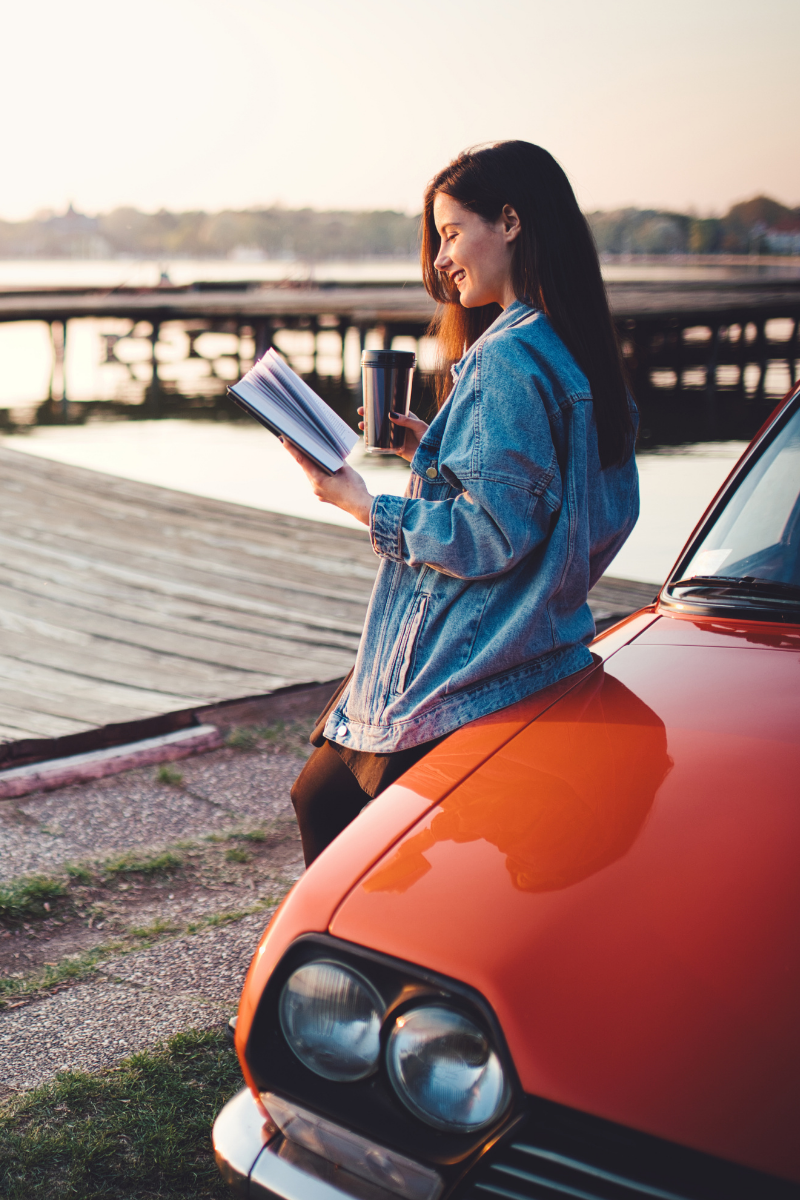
point(346, 489)
point(415, 431)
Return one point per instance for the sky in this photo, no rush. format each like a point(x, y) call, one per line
point(188, 104)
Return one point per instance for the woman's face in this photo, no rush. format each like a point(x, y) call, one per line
point(476, 254)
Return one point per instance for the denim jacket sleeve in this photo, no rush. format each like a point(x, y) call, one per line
point(497, 453)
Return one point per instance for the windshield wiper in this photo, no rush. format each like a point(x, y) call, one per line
point(768, 588)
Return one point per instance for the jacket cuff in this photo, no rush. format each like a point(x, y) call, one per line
point(385, 526)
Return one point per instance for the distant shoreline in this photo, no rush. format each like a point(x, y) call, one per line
point(123, 271)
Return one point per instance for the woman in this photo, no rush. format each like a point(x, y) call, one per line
point(522, 489)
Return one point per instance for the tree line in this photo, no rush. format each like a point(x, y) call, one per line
point(760, 225)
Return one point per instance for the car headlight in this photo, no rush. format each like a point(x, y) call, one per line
point(444, 1069)
point(331, 1018)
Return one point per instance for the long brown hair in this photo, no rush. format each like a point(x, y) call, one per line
point(555, 268)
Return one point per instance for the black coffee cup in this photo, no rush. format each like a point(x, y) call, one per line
point(386, 386)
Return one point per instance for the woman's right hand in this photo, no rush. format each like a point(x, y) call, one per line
point(415, 431)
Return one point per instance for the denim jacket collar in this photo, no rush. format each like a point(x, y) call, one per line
point(515, 312)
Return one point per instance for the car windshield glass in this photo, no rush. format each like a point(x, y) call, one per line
point(757, 534)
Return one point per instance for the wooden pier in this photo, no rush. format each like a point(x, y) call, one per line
point(120, 601)
point(703, 357)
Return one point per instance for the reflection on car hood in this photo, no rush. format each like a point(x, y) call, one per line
point(620, 881)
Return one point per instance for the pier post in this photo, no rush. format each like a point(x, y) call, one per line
point(58, 368)
point(154, 391)
point(760, 349)
point(52, 363)
point(711, 423)
point(313, 325)
point(64, 402)
point(263, 337)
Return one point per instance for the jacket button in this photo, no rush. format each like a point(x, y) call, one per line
point(431, 472)
point(342, 730)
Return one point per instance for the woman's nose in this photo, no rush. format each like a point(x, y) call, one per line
point(442, 260)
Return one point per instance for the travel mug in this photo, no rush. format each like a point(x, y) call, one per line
point(386, 386)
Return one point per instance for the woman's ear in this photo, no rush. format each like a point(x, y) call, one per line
point(511, 223)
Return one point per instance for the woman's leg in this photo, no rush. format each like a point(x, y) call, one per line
point(326, 798)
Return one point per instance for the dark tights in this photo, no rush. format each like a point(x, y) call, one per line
point(327, 796)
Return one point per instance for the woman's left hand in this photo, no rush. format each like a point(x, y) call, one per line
point(346, 489)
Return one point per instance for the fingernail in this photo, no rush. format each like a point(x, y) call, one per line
point(394, 414)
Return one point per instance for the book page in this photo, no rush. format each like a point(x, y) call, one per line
point(299, 389)
point(284, 392)
point(291, 425)
point(287, 404)
point(277, 377)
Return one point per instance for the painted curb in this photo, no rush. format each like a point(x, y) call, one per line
point(79, 768)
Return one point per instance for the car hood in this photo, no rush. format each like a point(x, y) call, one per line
point(620, 881)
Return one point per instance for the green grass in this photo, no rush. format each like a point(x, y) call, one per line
point(140, 1131)
point(80, 966)
point(29, 897)
point(79, 874)
point(280, 737)
point(36, 896)
point(242, 739)
point(16, 991)
point(143, 864)
point(68, 970)
point(168, 774)
point(39, 898)
point(150, 933)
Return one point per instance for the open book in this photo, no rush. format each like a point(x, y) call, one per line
point(278, 398)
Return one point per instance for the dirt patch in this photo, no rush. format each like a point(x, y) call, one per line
point(173, 890)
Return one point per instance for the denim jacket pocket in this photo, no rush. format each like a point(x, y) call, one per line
point(407, 646)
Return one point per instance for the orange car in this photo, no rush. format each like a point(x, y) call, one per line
point(559, 958)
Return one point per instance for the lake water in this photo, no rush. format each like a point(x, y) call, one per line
point(244, 464)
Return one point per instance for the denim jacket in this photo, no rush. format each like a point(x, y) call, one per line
point(486, 562)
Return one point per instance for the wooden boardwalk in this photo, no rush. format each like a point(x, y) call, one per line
point(120, 600)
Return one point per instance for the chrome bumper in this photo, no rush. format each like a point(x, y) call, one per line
point(255, 1160)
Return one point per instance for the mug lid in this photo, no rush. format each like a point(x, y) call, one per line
point(388, 358)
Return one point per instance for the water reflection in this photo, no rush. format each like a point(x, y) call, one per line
point(117, 368)
point(568, 797)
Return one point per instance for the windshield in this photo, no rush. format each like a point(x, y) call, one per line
point(757, 534)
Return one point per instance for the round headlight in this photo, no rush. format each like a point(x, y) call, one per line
point(445, 1071)
point(331, 1018)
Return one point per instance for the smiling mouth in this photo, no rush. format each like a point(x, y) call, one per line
point(458, 277)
